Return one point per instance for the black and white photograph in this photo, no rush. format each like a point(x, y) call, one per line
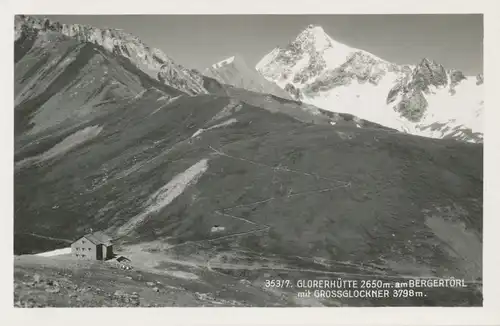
point(265, 160)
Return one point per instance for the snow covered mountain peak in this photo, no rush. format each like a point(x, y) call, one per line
point(312, 53)
point(314, 38)
point(424, 99)
point(223, 62)
point(236, 72)
point(150, 60)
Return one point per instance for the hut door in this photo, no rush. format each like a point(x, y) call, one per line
point(99, 249)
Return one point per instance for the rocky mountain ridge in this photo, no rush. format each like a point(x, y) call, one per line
point(152, 61)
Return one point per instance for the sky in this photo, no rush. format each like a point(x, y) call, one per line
point(198, 41)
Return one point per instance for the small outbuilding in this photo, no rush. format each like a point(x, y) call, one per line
point(93, 246)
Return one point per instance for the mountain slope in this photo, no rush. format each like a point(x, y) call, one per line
point(234, 71)
point(423, 99)
point(60, 81)
point(240, 186)
point(152, 61)
point(357, 197)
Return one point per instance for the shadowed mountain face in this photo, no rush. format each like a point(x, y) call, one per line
point(235, 181)
point(60, 81)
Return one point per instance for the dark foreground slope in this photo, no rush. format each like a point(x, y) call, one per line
point(293, 200)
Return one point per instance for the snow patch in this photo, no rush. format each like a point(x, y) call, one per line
point(165, 97)
point(233, 107)
point(198, 132)
point(57, 252)
point(222, 124)
point(169, 101)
